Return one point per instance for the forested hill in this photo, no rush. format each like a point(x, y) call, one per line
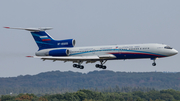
point(72, 81)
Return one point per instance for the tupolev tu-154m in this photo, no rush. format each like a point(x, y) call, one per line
point(64, 50)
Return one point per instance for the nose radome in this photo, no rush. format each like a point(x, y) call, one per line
point(175, 52)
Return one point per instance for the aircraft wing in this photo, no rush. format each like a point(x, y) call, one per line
point(88, 59)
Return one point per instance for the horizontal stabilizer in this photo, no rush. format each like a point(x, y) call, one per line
point(32, 29)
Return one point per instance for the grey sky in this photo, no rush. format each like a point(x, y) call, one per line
point(90, 23)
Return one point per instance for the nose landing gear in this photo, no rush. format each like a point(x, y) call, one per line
point(154, 63)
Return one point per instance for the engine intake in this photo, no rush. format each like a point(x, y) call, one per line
point(66, 43)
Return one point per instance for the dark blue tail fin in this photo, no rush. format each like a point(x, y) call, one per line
point(45, 41)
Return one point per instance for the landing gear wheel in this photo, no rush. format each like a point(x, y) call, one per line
point(97, 65)
point(74, 65)
point(154, 61)
point(104, 67)
point(100, 66)
point(81, 67)
point(78, 66)
point(154, 64)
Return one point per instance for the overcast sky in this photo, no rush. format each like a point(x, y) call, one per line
point(90, 23)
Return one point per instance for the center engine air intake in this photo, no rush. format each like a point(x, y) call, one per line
point(66, 43)
point(59, 52)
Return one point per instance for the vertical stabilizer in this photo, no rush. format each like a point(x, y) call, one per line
point(45, 41)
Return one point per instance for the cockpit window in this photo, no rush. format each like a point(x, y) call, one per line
point(168, 47)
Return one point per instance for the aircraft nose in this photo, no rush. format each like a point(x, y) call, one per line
point(174, 52)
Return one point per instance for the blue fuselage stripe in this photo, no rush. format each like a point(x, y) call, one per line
point(123, 54)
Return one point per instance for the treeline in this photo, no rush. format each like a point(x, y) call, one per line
point(88, 95)
point(43, 91)
point(60, 82)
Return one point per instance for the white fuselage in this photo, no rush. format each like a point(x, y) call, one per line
point(133, 51)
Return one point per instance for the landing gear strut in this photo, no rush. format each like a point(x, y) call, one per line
point(78, 65)
point(101, 65)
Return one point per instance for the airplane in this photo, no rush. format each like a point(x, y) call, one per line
point(64, 50)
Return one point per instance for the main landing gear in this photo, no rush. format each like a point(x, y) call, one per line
point(97, 65)
point(78, 65)
point(154, 63)
point(101, 65)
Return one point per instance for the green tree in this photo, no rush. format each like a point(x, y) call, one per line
point(81, 95)
point(174, 93)
point(55, 99)
point(6, 97)
point(167, 97)
point(153, 95)
point(139, 99)
point(139, 94)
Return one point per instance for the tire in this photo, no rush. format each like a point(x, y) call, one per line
point(81, 67)
point(104, 67)
point(154, 64)
point(97, 65)
point(74, 65)
point(100, 66)
point(78, 66)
